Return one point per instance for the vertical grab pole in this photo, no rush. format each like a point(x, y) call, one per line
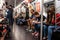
point(41, 29)
point(55, 11)
point(15, 3)
point(14, 15)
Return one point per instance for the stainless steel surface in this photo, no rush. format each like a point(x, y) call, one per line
point(41, 35)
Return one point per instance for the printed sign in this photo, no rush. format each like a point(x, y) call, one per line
point(28, 1)
point(38, 6)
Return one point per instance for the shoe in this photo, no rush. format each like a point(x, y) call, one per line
point(37, 34)
point(44, 38)
point(30, 30)
point(33, 33)
point(27, 29)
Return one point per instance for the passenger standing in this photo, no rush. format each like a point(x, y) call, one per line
point(10, 15)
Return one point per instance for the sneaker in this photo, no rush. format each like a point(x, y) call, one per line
point(27, 29)
point(36, 34)
point(30, 30)
point(44, 38)
point(33, 33)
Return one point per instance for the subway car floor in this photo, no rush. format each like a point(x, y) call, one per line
point(19, 33)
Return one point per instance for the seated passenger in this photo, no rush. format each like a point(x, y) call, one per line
point(1, 19)
point(37, 23)
point(30, 26)
point(52, 27)
point(20, 18)
point(50, 21)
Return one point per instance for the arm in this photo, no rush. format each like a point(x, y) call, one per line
point(16, 16)
point(40, 22)
point(36, 22)
point(45, 21)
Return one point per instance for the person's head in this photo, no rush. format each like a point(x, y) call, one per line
point(48, 12)
point(36, 14)
point(10, 6)
point(6, 3)
point(32, 11)
point(52, 8)
point(1, 13)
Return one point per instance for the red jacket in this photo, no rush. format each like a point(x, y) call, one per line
point(57, 19)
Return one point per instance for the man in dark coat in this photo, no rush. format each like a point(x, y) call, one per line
point(10, 15)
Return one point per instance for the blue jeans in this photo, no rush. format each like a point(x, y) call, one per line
point(45, 28)
point(50, 30)
point(19, 21)
point(37, 27)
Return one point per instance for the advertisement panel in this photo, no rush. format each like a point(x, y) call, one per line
point(28, 1)
point(38, 6)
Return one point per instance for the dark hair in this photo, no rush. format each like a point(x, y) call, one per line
point(6, 3)
point(53, 7)
point(10, 5)
point(48, 11)
point(1, 10)
point(32, 10)
point(36, 13)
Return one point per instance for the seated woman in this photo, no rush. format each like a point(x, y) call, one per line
point(37, 23)
point(52, 27)
point(50, 21)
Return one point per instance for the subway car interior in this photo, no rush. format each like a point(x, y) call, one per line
point(29, 20)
